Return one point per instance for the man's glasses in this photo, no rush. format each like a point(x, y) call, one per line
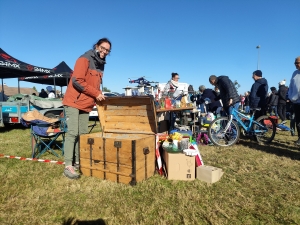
point(104, 49)
point(297, 63)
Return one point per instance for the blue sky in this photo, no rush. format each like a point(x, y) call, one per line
point(195, 38)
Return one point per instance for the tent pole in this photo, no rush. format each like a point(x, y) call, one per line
point(18, 86)
point(54, 86)
point(2, 91)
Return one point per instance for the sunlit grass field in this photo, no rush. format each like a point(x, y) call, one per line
point(261, 185)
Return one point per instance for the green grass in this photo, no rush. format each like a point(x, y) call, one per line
point(261, 185)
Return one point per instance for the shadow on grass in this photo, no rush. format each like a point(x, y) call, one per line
point(277, 148)
point(73, 221)
point(9, 127)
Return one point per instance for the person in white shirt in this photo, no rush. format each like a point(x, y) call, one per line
point(51, 93)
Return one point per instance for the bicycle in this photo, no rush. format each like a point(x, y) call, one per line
point(225, 131)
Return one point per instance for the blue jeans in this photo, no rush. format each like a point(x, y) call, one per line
point(247, 109)
point(273, 108)
point(227, 111)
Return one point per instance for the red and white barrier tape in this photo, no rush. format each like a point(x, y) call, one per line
point(31, 159)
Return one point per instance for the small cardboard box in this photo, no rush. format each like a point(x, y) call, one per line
point(179, 166)
point(209, 174)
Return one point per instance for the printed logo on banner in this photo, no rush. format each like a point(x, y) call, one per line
point(8, 64)
point(45, 76)
point(30, 67)
point(25, 78)
point(56, 75)
point(38, 69)
point(8, 58)
point(9, 61)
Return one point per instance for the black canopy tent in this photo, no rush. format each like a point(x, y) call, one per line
point(61, 76)
point(11, 67)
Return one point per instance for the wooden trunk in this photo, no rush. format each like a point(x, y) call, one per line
point(125, 149)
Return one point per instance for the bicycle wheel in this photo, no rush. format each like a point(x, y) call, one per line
point(217, 134)
point(267, 127)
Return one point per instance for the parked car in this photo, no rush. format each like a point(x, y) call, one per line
point(94, 112)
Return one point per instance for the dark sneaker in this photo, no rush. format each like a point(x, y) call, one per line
point(70, 173)
point(292, 132)
point(298, 142)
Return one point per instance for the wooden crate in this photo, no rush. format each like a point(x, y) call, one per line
point(125, 149)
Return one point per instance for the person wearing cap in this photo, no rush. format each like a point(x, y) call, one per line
point(258, 93)
point(281, 107)
point(273, 101)
point(294, 95)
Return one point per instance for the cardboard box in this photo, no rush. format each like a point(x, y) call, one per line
point(179, 166)
point(209, 174)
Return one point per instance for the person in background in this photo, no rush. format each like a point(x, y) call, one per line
point(281, 107)
point(290, 110)
point(294, 97)
point(3, 97)
point(82, 92)
point(258, 93)
point(43, 94)
point(210, 94)
point(51, 93)
point(171, 88)
point(228, 93)
point(246, 103)
point(273, 102)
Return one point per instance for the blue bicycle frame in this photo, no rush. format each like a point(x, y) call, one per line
point(236, 115)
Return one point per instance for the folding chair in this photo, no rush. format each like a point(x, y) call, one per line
point(45, 133)
point(42, 141)
point(92, 125)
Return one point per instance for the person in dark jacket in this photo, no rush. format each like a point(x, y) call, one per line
point(273, 102)
point(258, 93)
point(43, 94)
point(281, 108)
point(211, 95)
point(228, 93)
